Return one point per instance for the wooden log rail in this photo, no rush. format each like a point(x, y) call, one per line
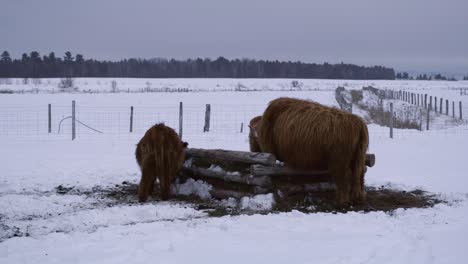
point(266, 159)
point(259, 173)
point(235, 156)
point(263, 181)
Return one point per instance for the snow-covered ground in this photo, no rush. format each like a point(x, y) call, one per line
point(140, 84)
point(78, 228)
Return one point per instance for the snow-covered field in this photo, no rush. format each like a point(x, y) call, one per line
point(139, 85)
point(79, 227)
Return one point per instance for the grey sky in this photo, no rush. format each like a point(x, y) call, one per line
point(426, 35)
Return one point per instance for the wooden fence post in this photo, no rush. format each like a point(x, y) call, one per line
point(418, 100)
point(50, 118)
point(131, 119)
point(242, 127)
point(181, 117)
point(453, 109)
point(425, 101)
point(206, 128)
point(441, 103)
point(460, 105)
point(435, 104)
point(427, 118)
point(421, 119)
point(391, 120)
point(73, 120)
point(446, 107)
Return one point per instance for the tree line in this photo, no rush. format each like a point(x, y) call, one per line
point(425, 77)
point(33, 65)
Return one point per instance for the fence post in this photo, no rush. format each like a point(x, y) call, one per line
point(425, 101)
point(430, 102)
point(446, 107)
point(441, 103)
point(181, 117)
point(418, 100)
point(50, 118)
point(427, 118)
point(435, 104)
point(242, 127)
point(391, 120)
point(131, 119)
point(453, 109)
point(73, 120)
point(421, 119)
point(460, 105)
point(206, 128)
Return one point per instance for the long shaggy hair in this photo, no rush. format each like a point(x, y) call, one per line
point(310, 136)
point(253, 126)
point(160, 154)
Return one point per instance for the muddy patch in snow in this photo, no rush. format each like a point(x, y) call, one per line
point(381, 198)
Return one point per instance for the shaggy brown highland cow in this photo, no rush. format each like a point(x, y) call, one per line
point(160, 154)
point(253, 125)
point(310, 136)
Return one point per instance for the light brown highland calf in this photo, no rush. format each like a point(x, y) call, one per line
point(310, 136)
point(160, 154)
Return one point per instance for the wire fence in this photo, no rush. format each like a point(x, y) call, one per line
point(225, 121)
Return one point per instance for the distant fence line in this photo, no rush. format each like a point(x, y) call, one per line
point(113, 87)
point(463, 91)
point(76, 121)
point(432, 112)
point(414, 113)
point(428, 102)
point(156, 90)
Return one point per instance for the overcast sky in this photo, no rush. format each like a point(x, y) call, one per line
point(424, 35)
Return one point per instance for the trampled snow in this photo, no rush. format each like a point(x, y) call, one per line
point(76, 228)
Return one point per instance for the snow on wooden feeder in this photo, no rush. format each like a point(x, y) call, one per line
point(240, 173)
